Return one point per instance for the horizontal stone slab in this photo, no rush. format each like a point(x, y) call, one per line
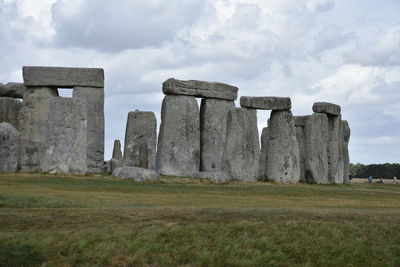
point(218, 177)
point(136, 174)
point(266, 102)
point(327, 108)
point(200, 89)
point(300, 121)
point(14, 90)
point(62, 77)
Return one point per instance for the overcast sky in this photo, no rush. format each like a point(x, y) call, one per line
point(342, 51)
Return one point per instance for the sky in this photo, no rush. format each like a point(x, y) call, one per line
point(341, 51)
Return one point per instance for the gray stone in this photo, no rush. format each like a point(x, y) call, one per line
point(33, 124)
point(327, 108)
point(266, 102)
point(316, 156)
point(67, 137)
point(218, 177)
point(178, 150)
point(301, 121)
point(115, 164)
point(283, 164)
point(345, 150)
point(13, 90)
point(106, 168)
point(213, 123)
point(263, 155)
point(9, 148)
point(200, 89)
point(335, 159)
point(9, 110)
point(136, 174)
point(117, 153)
point(94, 98)
point(140, 140)
point(62, 77)
point(301, 140)
point(242, 150)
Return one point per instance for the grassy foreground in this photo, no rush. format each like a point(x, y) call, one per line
point(67, 221)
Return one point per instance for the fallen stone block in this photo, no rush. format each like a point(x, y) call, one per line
point(62, 77)
point(140, 140)
point(266, 102)
point(200, 89)
point(13, 90)
point(136, 174)
point(213, 124)
point(9, 111)
point(327, 108)
point(218, 177)
point(9, 148)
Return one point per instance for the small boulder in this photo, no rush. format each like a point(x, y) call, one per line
point(136, 174)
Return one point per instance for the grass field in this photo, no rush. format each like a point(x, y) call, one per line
point(68, 221)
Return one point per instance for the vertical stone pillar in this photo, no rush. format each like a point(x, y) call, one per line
point(140, 140)
point(242, 151)
point(213, 123)
point(9, 147)
point(178, 149)
point(9, 110)
point(335, 159)
point(67, 137)
point(117, 153)
point(300, 123)
point(94, 98)
point(263, 155)
point(283, 150)
point(33, 124)
point(345, 149)
point(316, 147)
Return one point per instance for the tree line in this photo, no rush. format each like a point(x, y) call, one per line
point(385, 171)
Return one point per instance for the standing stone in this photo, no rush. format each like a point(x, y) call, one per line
point(140, 140)
point(178, 150)
point(316, 149)
point(283, 151)
point(94, 98)
point(33, 124)
point(263, 155)
point(67, 137)
point(117, 153)
point(242, 150)
point(335, 162)
point(213, 122)
point(9, 147)
point(301, 140)
point(9, 110)
point(345, 149)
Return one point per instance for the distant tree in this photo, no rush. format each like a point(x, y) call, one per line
point(386, 170)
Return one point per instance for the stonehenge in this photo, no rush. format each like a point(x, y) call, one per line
point(41, 131)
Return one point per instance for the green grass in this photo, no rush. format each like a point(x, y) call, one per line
point(68, 221)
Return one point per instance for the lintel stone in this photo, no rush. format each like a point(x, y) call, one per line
point(62, 77)
point(200, 89)
point(266, 102)
point(327, 108)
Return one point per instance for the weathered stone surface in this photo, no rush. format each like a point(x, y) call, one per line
point(13, 90)
point(178, 150)
point(335, 159)
point(117, 153)
point(283, 151)
point(242, 150)
point(263, 155)
point(140, 140)
point(345, 150)
point(218, 177)
point(213, 122)
point(94, 98)
point(266, 102)
point(301, 140)
point(115, 164)
point(9, 110)
point(200, 89)
point(327, 108)
point(33, 124)
point(62, 77)
point(9, 147)
point(66, 137)
point(301, 121)
point(106, 166)
point(316, 156)
point(136, 174)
